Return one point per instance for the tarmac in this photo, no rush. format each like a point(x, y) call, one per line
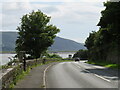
point(34, 79)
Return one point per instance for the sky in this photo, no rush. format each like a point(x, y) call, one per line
point(75, 18)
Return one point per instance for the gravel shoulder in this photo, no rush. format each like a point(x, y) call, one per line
point(35, 77)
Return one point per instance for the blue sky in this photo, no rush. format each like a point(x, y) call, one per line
point(75, 18)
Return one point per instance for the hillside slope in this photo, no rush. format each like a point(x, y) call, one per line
point(60, 44)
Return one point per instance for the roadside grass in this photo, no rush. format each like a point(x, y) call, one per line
point(7, 52)
point(105, 64)
point(24, 73)
point(4, 67)
point(19, 77)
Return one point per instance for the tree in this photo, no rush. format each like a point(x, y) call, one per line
point(89, 43)
point(82, 54)
point(35, 34)
point(53, 56)
point(103, 45)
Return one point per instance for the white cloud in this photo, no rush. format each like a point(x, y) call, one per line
point(74, 12)
point(12, 12)
point(74, 19)
point(0, 15)
point(12, 6)
point(54, 0)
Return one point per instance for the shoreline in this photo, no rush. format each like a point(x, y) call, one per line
point(14, 52)
point(7, 52)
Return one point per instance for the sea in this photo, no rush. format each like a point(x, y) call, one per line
point(5, 58)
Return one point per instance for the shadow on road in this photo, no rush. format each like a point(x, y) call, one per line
point(106, 72)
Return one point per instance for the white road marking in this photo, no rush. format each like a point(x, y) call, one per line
point(94, 74)
point(44, 77)
point(99, 67)
point(102, 77)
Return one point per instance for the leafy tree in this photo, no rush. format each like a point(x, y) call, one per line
point(35, 34)
point(53, 56)
point(82, 54)
point(89, 43)
point(103, 45)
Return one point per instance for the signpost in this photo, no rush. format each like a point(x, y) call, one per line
point(22, 58)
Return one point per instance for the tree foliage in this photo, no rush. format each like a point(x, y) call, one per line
point(82, 54)
point(53, 56)
point(103, 45)
point(35, 34)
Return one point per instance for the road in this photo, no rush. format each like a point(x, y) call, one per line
point(80, 75)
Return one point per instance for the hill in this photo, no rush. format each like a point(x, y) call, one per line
point(60, 44)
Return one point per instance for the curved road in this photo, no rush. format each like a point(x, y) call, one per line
point(80, 75)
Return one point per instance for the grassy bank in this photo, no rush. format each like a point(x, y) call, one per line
point(24, 73)
point(19, 77)
point(105, 64)
point(7, 52)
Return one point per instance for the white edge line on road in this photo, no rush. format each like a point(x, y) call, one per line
point(44, 76)
point(102, 77)
point(96, 74)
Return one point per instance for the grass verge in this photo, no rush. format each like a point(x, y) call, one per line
point(24, 73)
point(19, 77)
point(105, 64)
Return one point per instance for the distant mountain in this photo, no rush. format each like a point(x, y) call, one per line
point(60, 44)
point(8, 40)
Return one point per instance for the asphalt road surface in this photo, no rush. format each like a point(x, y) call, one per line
point(80, 75)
